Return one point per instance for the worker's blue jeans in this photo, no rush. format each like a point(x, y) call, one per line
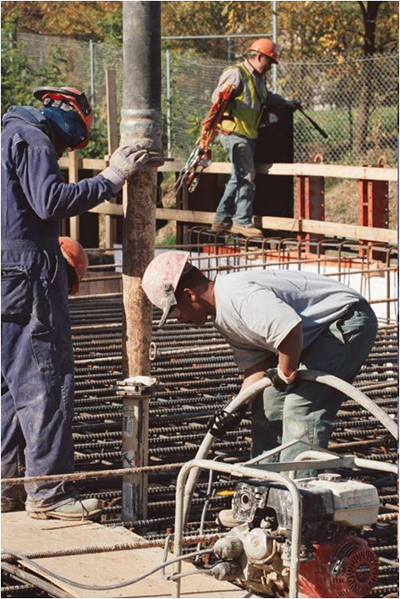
point(37, 370)
point(308, 412)
point(237, 201)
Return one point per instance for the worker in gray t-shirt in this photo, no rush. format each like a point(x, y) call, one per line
point(276, 321)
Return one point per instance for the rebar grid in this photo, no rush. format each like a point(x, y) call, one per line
point(196, 383)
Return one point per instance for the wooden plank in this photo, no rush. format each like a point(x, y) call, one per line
point(73, 177)
point(290, 224)
point(335, 171)
point(191, 216)
point(21, 533)
point(296, 225)
point(108, 208)
point(349, 231)
point(112, 122)
point(106, 224)
point(95, 164)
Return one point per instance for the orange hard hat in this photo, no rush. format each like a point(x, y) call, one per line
point(161, 280)
point(265, 46)
point(55, 96)
point(76, 257)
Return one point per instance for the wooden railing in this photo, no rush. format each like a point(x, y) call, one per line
point(298, 225)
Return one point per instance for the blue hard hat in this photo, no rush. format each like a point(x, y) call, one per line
point(67, 125)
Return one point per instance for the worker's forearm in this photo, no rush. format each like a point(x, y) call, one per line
point(249, 380)
point(289, 351)
point(255, 373)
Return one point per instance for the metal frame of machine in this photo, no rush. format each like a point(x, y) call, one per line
point(316, 459)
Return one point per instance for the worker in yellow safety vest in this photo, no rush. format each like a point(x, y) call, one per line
point(239, 131)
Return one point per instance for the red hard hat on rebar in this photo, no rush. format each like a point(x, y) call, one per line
point(161, 280)
point(267, 47)
point(76, 257)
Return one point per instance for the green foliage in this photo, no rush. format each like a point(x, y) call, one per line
point(169, 240)
point(99, 21)
point(339, 124)
point(97, 146)
point(20, 73)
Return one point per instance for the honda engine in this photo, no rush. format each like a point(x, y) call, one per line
point(334, 560)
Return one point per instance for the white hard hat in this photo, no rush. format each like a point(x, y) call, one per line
point(161, 280)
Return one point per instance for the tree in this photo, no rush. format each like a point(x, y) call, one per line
point(369, 11)
point(20, 75)
point(316, 30)
point(81, 20)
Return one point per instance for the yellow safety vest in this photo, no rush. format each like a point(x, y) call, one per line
point(244, 114)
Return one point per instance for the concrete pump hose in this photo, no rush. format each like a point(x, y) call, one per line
point(308, 375)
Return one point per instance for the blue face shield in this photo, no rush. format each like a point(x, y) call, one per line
point(67, 126)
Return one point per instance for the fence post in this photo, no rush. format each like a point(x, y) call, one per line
point(274, 39)
point(107, 224)
point(73, 177)
point(373, 207)
point(310, 194)
point(92, 91)
point(168, 76)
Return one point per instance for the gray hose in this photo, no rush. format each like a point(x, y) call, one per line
point(209, 439)
point(308, 375)
point(350, 391)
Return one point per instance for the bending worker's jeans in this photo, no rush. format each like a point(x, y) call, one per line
point(308, 411)
point(37, 382)
point(240, 190)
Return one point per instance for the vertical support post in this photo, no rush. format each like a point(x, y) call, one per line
point(229, 49)
point(141, 123)
point(112, 128)
point(274, 39)
point(107, 224)
point(92, 90)
point(373, 207)
point(310, 193)
point(73, 177)
point(168, 76)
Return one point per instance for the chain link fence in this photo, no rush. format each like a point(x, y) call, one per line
point(354, 101)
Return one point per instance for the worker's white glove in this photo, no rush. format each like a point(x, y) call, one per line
point(124, 163)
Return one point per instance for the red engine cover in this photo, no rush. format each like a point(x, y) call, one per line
point(343, 567)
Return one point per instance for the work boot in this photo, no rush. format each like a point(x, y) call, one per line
point(73, 510)
point(221, 227)
point(247, 230)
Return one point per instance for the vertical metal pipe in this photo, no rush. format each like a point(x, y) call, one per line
point(274, 39)
point(141, 123)
point(168, 78)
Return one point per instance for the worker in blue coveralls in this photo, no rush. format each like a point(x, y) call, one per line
point(37, 382)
